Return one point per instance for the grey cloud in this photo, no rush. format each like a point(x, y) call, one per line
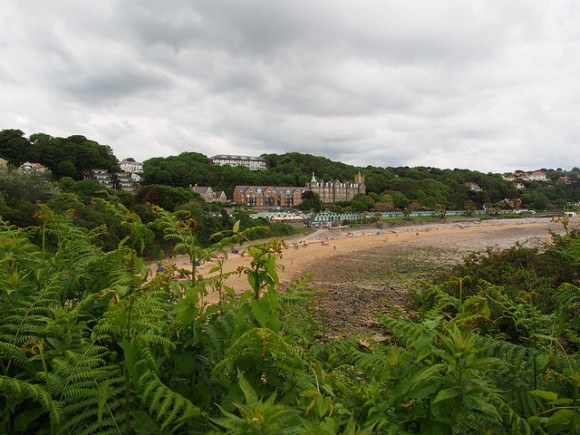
point(108, 85)
point(453, 83)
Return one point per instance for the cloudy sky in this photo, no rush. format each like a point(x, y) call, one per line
point(491, 85)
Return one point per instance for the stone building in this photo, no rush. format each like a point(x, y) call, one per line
point(268, 196)
point(209, 195)
point(335, 190)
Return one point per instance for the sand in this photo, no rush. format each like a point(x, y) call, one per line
point(317, 248)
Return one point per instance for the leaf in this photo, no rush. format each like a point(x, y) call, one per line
point(261, 312)
point(122, 242)
point(563, 417)
point(310, 393)
point(425, 390)
point(103, 395)
point(271, 269)
point(427, 373)
point(433, 323)
point(424, 340)
point(446, 394)
point(236, 228)
point(249, 393)
point(548, 395)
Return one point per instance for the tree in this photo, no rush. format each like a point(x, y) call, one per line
point(401, 200)
point(362, 202)
point(310, 202)
point(66, 168)
point(14, 147)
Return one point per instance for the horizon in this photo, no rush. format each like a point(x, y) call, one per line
point(119, 159)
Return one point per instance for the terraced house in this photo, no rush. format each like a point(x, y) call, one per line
point(268, 196)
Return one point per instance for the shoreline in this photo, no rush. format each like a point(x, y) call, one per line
point(302, 253)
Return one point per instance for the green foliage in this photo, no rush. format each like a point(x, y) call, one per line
point(91, 343)
point(64, 157)
point(258, 416)
point(310, 202)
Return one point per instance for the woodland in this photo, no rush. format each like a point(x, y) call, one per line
point(388, 188)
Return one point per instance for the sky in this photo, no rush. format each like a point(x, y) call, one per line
point(488, 85)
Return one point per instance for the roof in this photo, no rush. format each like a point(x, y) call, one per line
point(201, 189)
point(37, 166)
point(278, 189)
point(232, 157)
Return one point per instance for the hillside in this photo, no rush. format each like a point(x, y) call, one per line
point(388, 187)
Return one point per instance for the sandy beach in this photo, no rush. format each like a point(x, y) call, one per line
point(324, 250)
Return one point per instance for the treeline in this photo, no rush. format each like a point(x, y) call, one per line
point(391, 188)
point(64, 157)
point(388, 188)
point(89, 205)
point(91, 343)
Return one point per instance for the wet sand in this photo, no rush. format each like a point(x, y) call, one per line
point(321, 247)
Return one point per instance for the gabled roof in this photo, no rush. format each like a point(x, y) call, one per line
point(202, 190)
point(278, 189)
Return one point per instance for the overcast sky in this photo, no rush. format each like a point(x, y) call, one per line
point(491, 85)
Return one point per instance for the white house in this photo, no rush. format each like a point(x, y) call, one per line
point(28, 168)
point(474, 187)
point(131, 166)
point(538, 176)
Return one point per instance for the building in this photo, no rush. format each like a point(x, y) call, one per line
point(508, 176)
point(252, 163)
point(537, 176)
point(474, 187)
point(220, 196)
point(205, 192)
point(512, 202)
point(268, 196)
point(335, 190)
point(124, 181)
point(208, 194)
point(131, 166)
point(119, 180)
point(519, 186)
point(100, 175)
point(29, 168)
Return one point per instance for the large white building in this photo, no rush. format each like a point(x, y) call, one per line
point(131, 166)
point(252, 163)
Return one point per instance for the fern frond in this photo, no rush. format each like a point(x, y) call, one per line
point(404, 330)
point(167, 407)
point(220, 331)
point(264, 352)
point(17, 389)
